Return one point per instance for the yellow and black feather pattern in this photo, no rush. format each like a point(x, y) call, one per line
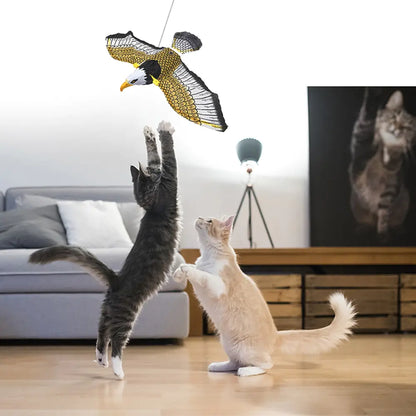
point(189, 96)
point(186, 93)
point(127, 48)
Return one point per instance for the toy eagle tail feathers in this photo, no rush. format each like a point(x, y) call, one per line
point(76, 255)
point(315, 341)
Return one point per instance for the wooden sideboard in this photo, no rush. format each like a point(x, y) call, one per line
point(380, 280)
point(321, 256)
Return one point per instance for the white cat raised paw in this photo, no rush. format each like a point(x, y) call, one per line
point(181, 273)
point(165, 126)
point(179, 276)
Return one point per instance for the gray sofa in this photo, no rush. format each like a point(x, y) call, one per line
point(60, 300)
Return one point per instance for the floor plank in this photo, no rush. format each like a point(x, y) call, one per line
point(371, 375)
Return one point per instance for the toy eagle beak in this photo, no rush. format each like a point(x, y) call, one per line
point(125, 84)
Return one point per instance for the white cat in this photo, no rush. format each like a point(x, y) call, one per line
point(239, 312)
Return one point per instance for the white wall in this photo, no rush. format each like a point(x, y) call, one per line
point(63, 120)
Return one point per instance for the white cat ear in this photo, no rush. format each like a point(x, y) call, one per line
point(395, 101)
point(228, 223)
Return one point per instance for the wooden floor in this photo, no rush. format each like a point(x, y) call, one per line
point(371, 375)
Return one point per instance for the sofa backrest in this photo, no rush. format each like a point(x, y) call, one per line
point(77, 193)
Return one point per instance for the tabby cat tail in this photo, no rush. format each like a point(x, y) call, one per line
point(76, 255)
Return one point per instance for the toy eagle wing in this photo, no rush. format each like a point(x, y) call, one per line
point(190, 97)
point(185, 42)
point(127, 48)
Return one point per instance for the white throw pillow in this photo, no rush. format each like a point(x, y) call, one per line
point(131, 213)
point(93, 224)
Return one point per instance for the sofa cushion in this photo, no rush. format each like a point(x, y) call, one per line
point(19, 276)
point(131, 213)
point(93, 224)
point(31, 228)
point(78, 193)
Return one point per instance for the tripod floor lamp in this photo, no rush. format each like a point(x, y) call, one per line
point(249, 152)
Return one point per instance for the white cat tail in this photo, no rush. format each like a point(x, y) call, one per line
point(315, 341)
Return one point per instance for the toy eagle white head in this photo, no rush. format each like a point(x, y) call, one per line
point(147, 73)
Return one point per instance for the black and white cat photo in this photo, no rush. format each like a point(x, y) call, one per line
point(362, 166)
point(382, 142)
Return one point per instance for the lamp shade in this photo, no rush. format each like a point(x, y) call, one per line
point(249, 150)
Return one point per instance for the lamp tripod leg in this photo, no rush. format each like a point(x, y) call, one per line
point(250, 227)
point(262, 217)
point(239, 207)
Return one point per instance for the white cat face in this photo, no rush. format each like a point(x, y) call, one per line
point(213, 232)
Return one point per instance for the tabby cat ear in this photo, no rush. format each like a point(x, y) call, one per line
point(395, 101)
point(134, 173)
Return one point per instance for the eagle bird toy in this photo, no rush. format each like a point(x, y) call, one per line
point(185, 91)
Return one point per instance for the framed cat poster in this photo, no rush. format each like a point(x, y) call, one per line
point(362, 162)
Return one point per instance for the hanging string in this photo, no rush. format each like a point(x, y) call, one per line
point(160, 41)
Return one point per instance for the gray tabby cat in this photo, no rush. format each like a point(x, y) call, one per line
point(146, 267)
point(380, 142)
